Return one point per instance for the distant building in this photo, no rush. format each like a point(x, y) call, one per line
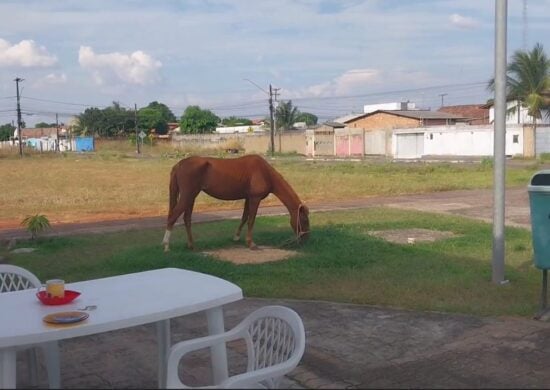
point(392, 119)
point(389, 106)
point(239, 129)
point(515, 116)
point(475, 114)
point(40, 132)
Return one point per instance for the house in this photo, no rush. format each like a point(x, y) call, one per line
point(536, 142)
point(389, 106)
point(239, 129)
point(515, 116)
point(391, 119)
point(475, 114)
point(41, 132)
point(320, 140)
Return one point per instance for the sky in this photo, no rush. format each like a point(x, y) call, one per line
point(330, 57)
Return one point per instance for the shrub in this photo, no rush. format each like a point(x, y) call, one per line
point(36, 224)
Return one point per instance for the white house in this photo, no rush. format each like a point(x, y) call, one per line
point(520, 116)
point(402, 106)
point(239, 129)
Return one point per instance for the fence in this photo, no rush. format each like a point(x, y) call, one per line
point(285, 142)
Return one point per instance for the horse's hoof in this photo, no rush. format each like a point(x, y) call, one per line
point(236, 238)
point(254, 247)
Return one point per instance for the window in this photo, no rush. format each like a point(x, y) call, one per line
point(516, 139)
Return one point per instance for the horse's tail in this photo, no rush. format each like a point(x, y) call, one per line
point(174, 190)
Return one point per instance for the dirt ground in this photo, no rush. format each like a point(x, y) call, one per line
point(243, 255)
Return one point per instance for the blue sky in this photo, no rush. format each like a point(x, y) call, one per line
point(329, 57)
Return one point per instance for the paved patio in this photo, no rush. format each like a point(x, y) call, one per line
point(348, 346)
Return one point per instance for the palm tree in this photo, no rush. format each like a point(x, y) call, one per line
point(286, 115)
point(528, 81)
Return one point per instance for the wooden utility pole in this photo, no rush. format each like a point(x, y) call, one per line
point(136, 125)
point(57, 133)
point(17, 81)
point(272, 123)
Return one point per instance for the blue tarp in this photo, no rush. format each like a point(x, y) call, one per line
point(84, 144)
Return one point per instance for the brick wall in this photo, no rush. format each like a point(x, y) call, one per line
point(382, 120)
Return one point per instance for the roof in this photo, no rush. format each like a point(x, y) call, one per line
point(474, 112)
point(348, 118)
point(40, 132)
point(334, 124)
point(415, 114)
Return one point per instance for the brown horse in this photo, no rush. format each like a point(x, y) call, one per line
point(249, 177)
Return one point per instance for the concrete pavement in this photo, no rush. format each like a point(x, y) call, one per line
point(348, 346)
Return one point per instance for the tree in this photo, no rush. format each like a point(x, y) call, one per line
point(285, 115)
point(155, 116)
point(310, 119)
point(6, 131)
point(196, 120)
point(44, 124)
point(111, 121)
point(235, 121)
point(528, 80)
point(149, 118)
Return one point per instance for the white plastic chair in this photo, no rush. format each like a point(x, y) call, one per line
point(13, 278)
point(275, 342)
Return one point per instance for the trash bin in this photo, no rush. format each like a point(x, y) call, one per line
point(539, 202)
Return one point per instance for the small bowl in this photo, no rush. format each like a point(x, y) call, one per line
point(49, 300)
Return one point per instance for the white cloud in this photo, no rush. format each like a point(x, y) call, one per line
point(25, 53)
point(54, 78)
point(349, 82)
point(135, 68)
point(463, 21)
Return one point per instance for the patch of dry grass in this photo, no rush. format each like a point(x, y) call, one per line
point(115, 182)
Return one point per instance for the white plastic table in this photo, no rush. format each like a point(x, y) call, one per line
point(122, 301)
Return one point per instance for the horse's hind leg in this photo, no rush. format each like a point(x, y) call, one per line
point(187, 220)
point(173, 216)
point(244, 218)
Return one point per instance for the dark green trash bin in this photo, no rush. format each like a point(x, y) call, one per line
point(539, 201)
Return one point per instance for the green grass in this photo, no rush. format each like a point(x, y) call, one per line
point(340, 262)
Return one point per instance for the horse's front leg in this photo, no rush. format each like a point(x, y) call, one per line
point(253, 205)
point(244, 218)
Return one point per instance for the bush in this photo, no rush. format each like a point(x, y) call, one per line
point(36, 224)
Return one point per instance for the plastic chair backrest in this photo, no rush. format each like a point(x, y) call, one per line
point(14, 278)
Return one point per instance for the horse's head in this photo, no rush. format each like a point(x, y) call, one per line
point(300, 223)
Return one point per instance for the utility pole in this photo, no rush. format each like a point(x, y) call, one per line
point(272, 123)
point(275, 93)
point(272, 120)
point(17, 81)
point(136, 125)
point(442, 96)
point(57, 133)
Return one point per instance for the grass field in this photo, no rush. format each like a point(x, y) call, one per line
point(113, 183)
point(341, 262)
